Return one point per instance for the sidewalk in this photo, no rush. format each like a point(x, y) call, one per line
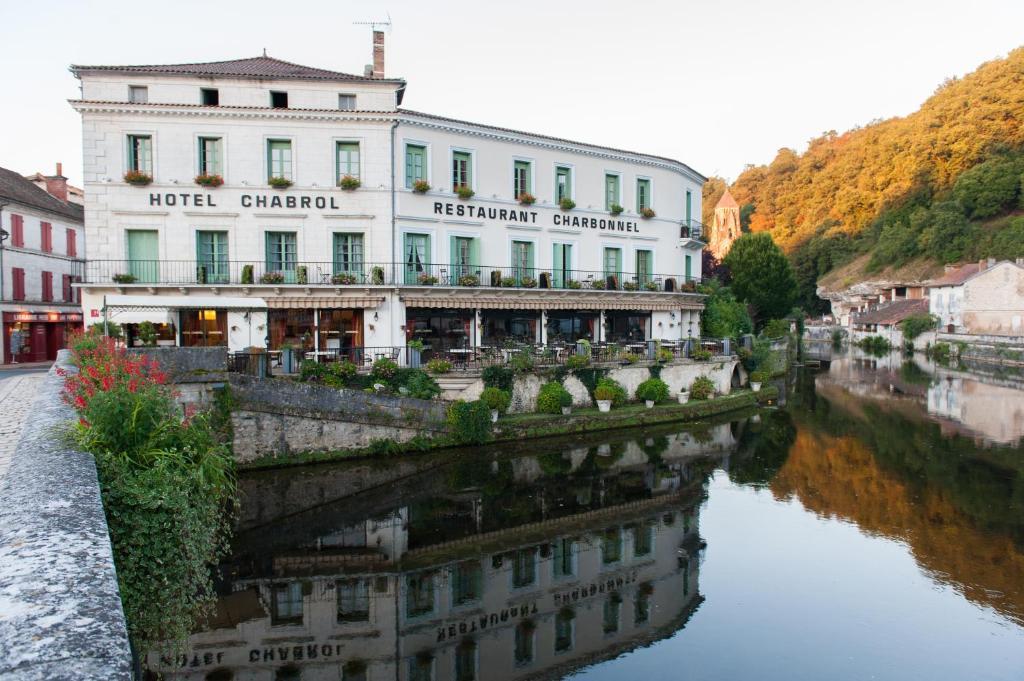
point(17, 394)
point(22, 366)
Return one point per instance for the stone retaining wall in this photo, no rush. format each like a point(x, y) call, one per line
point(60, 609)
point(189, 365)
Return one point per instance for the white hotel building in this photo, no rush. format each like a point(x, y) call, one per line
point(366, 241)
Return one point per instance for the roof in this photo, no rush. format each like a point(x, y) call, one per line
point(15, 187)
point(892, 313)
point(957, 276)
point(252, 67)
point(39, 177)
point(727, 201)
point(512, 131)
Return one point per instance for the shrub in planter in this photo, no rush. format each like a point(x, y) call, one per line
point(377, 275)
point(567, 204)
point(577, 362)
point(647, 213)
point(552, 398)
point(631, 358)
point(147, 334)
point(421, 186)
point(759, 377)
point(439, 366)
point(701, 355)
point(349, 183)
point(702, 388)
point(469, 422)
point(652, 390)
point(302, 274)
point(247, 274)
point(665, 355)
point(124, 278)
point(383, 369)
point(522, 362)
point(630, 286)
point(573, 284)
point(528, 282)
point(615, 209)
point(205, 180)
point(421, 385)
point(597, 284)
point(605, 397)
point(137, 178)
point(344, 278)
point(618, 393)
point(465, 193)
point(272, 278)
point(469, 280)
point(508, 282)
point(496, 399)
point(279, 182)
point(527, 199)
point(427, 279)
point(651, 286)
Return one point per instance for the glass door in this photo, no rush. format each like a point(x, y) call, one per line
point(522, 262)
point(561, 268)
point(212, 254)
point(143, 254)
point(416, 257)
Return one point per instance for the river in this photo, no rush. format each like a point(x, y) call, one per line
point(871, 526)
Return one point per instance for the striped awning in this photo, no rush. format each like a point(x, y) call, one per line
point(323, 302)
point(550, 303)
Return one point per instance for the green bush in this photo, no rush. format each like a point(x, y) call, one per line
point(577, 362)
point(498, 377)
point(723, 316)
point(421, 386)
point(439, 366)
point(496, 399)
point(384, 369)
point(338, 374)
point(653, 389)
point(701, 388)
point(147, 334)
point(1009, 241)
point(311, 371)
point(665, 355)
point(940, 352)
point(522, 362)
point(991, 187)
point(759, 377)
point(469, 422)
point(914, 325)
point(875, 345)
point(776, 328)
point(613, 388)
point(553, 396)
point(701, 355)
point(604, 393)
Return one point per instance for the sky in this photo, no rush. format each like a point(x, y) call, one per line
point(716, 85)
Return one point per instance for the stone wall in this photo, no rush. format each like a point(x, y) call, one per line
point(60, 609)
point(189, 365)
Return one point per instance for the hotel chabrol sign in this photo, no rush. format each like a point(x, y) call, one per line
point(529, 217)
point(262, 200)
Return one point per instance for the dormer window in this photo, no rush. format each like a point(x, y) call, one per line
point(138, 94)
point(209, 96)
point(347, 102)
point(279, 100)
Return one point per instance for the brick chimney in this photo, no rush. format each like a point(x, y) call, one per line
point(57, 185)
point(378, 54)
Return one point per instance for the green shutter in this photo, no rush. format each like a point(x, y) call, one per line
point(474, 254)
point(558, 264)
point(415, 165)
point(143, 255)
point(689, 268)
point(643, 194)
point(459, 158)
point(689, 206)
point(530, 262)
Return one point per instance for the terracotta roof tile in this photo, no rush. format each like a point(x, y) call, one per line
point(892, 313)
point(15, 187)
point(957, 276)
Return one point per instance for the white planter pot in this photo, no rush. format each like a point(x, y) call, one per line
point(494, 416)
point(649, 403)
point(566, 411)
point(604, 405)
point(684, 397)
point(755, 386)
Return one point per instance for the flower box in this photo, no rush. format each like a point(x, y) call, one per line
point(527, 199)
point(205, 180)
point(279, 182)
point(137, 178)
point(464, 193)
point(421, 186)
point(349, 183)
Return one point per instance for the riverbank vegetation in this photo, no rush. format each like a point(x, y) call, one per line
point(167, 484)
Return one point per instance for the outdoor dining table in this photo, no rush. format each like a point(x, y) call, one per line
point(460, 356)
point(317, 354)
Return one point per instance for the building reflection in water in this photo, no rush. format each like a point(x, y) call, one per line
point(491, 568)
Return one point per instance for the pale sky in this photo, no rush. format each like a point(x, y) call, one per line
point(716, 85)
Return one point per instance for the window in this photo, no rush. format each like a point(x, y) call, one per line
point(71, 241)
point(522, 260)
point(419, 594)
point(416, 257)
point(612, 608)
point(464, 257)
point(644, 266)
point(563, 183)
point(563, 558)
point(564, 621)
point(46, 237)
point(286, 603)
point(67, 293)
point(209, 96)
point(421, 668)
point(643, 540)
point(348, 253)
point(17, 230)
point(353, 670)
point(524, 643)
point(278, 100)
point(17, 283)
point(642, 605)
point(212, 257)
point(521, 181)
point(347, 102)
point(524, 568)
point(561, 271)
point(353, 600)
point(210, 156)
point(415, 164)
point(143, 246)
point(282, 253)
point(465, 661)
point(347, 160)
point(279, 159)
point(611, 546)
point(467, 582)
point(689, 206)
point(689, 268)
point(613, 264)
point(140, 153)
point(643, 194)
point(47, 286)
point(611, 191)
point(462, 170)
point(138, 94)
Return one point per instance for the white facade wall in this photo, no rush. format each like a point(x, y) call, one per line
point(946, 303)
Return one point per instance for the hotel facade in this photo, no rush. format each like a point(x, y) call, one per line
point(259, 203)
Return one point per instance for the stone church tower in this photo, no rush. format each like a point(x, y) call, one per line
point(726, 226)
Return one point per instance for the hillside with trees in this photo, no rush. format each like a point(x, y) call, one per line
point(938, 186)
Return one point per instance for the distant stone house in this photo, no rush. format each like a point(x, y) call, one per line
point(884, 320)
point(982, 298)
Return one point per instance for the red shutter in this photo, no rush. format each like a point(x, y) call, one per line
point(46, 236)
point(68, 293)
point(48, 286)
point(18, 283)
point(17, 231)
point(72, 239)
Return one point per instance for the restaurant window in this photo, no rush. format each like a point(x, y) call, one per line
point(439, 329)
point(503, 326)
point(627, 325)
point(613, 265)
point(353, 600)
point(415, 164)
point(563, 183)
point(348, 253)
point(341, 331)
point(644, 266)
point(140, 154)
point(421, 668)
point(611, 191)
point(212, 254)
point(210, 156)
point(209, 96)
point(292, 327)
point(611, 546)
point(563, 558)
point(642, 604)
point(522, 261)
point(462, 169)
point(46, 280)
point(204, 328)
point(138, 94)
point(612, 610)
point(347, 102)
point(524, 643)
point(564, 630)
point(569, 327)
point(465, 661)
point(521, 181)
point(282, 254)
point(278, 100)
point(464, 258)
point(419, 594)
point(643, 194)
point(561, 268)
point(347, 160)
point(467, 582)
point(286, 603)
point(643, 540)
point(524, 568)
point(279, 159)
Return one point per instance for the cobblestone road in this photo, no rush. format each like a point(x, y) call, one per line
point(17, 393)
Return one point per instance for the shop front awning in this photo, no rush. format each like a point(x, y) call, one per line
point(119, 305)
point(544, 302)
point(324, 302)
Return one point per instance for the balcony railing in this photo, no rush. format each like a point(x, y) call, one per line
point(244, 273)
point(694, 230)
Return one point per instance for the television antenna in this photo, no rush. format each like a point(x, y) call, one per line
point(375, 24)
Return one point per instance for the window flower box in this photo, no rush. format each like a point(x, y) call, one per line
point(272, 278)
point(279, 182)
point(344, 278)
point(427, 280)
point(527, 199)
point(651, 286)
point(421, 186)
point(205, 180)
point(124, 278)
point(615, 209)
point(137, 178)
point(349, 183)
point(464, 193)
point(647, 213)
point(469, 280)
point(567, 204)
point(630, 286)
point(528, 282)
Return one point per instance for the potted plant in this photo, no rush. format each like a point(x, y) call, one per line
point(279, 182)
point(615, 209)
point(426, 279)
point(147, 334)
point(247, 274)
point(652, 391)
point(651, 286)
point(137, 178)
point(647, 213)
point(701, 355)
point(344, 278)
point(469, 280)
point(497, 400)
point(528, 282)
point(272, 278)
point(302, 274)
point(349, 183)
point(604, 396)
point(683, 395)
point(630, 286)
point(421, 186)
point(702, 388)
point(573, 284)
point(206, 180)
point(464, 192)
point(566, 204)
point(756, 379)
point(508, 282)
point(377, 275)
point(554, 398)
point(124, 278)
point(439, 366)
point(597, 284)
point(664, 355)
point(527, 199)
point(415, 352)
